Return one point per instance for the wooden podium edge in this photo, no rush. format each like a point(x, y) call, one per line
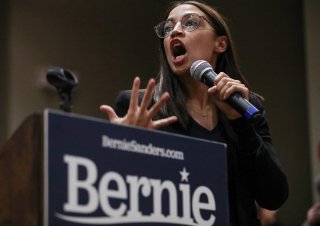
point(21, 175)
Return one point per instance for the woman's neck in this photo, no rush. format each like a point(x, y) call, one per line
point(199, 105)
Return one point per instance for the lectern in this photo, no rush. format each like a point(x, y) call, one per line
point(68, 169)
point(21, 175)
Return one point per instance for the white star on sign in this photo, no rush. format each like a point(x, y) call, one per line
point(184, 175)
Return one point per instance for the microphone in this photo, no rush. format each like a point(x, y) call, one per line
point(202, 71)
point(64, 81)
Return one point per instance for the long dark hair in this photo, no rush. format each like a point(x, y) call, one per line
point(168, 82)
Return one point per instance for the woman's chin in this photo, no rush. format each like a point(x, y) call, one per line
point(180, 73)
point(181, 70)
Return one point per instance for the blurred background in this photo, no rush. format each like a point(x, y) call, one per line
point(107, 43)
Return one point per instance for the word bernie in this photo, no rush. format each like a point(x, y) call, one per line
point(119, 197)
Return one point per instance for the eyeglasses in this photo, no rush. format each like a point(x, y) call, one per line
point(189, 22)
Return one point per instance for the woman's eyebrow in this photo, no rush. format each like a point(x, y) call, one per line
point(172, 18)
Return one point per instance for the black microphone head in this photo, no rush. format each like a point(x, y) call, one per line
point(198, 68)
point(61, 78)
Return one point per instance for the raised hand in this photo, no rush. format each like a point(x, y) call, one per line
point(140, 115)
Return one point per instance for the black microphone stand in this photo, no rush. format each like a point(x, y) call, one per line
point(64, 81)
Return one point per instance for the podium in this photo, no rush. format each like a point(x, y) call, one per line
point(67, 169)
point(21, 175)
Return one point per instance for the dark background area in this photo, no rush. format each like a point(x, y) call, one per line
point(107, 43)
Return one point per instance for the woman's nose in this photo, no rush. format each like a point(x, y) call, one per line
point(177, 30)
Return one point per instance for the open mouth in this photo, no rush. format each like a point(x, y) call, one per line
point(178, 49)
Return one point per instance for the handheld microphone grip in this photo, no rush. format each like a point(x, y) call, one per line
point(243, 106)
point(201, 70)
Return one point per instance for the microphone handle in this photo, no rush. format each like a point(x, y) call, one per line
point(243, 106)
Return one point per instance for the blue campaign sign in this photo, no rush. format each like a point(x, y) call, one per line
point(98, 173)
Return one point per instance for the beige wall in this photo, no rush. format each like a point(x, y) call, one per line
point(312, 37)
point(4, 29)
point(107, 43)
point(104, 43)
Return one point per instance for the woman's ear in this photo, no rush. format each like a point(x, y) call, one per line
point(221, 44)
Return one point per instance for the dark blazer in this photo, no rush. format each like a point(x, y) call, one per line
point(254, 171)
